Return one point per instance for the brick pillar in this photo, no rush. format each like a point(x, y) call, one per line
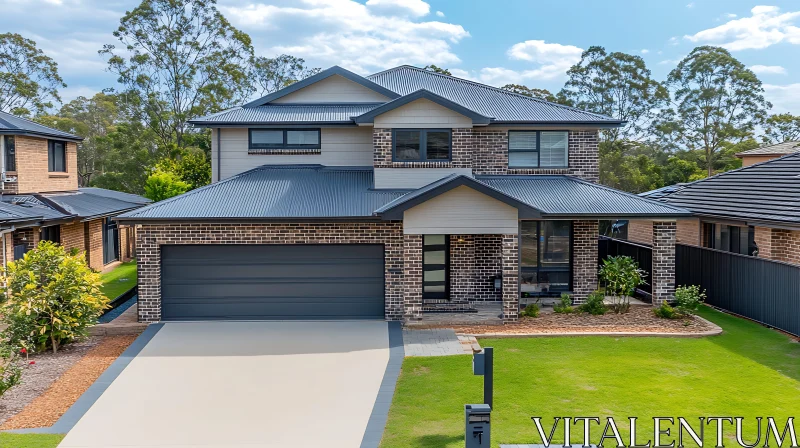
point(510, 257)
point(36, 237)
point(148, 266)
point(585, 236)
point(9, 240)
point(412, 270)
point(663, 275)
point(763, 239)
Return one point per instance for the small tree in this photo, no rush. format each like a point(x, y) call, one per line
point(621, 275)
point(57, 290)
point(164, 185)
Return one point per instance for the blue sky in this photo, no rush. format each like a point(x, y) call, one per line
point(527, 42)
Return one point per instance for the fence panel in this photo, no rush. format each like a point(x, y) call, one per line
point(611, 247)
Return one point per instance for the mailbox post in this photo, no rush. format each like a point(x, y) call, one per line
point(483, 364)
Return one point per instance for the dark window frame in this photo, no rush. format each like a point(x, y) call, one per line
point(435, 267)
point(538, 270)
point(538, 151)
point(51, 233)
point(10, 158)
point(423, 145)
point(51, 159)
point(110, 244)
point(283, 145)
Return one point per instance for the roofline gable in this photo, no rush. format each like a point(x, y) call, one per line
point(369, 117)
point(394, 210)
point(335, 70)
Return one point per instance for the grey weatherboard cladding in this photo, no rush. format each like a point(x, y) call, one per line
point(301, 281)
point(764, 192)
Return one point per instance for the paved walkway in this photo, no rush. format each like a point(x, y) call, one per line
point(437, 342)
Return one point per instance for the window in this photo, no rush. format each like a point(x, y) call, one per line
point(735, 239)
point(545, 257)
point(110, 241)
point(52, 233)
point(10, 153)
point(421, 145)
point(538, 149)
point(435, 255)
point(285, 139)
point(57, 157)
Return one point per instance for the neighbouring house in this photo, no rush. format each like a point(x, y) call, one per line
point(753, 210)
point(768, 152)
point(388, 196)
point(40, 198)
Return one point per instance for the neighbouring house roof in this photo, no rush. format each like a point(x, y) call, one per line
point(83, 204)
point(766, 192)
point(290, 192)
point(11, 124)
point(402, 85)
point(769, 150)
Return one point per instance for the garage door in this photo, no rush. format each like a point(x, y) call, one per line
point(249, 282)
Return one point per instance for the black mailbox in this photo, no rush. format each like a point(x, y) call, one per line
point(478, 423)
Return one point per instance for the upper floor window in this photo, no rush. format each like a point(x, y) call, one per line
point(284, 139)
point(421, 145)
point(10, 153)
point(57, 156)
point(538, 149)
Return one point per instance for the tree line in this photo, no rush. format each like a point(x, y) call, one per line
point(175, 60)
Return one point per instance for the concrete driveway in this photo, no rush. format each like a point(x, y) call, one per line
point(247, 384)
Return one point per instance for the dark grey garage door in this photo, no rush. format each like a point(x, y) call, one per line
point(248, 282)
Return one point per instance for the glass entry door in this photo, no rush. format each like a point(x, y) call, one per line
point(435, 276)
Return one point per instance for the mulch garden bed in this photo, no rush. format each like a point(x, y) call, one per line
point(640, 319)
point(55, 381)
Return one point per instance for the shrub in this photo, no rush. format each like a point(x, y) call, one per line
point(564, 305)
point(621, 275)
point(594, 303)
point(53, 297)
point(666, 312)
point(688, 299)
point(164, 185)
point(10, 370)
point(532, 310)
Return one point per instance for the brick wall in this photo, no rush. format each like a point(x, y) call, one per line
point(688, 231)
point(72, 236)
point(9, 241)
point(32, 167)
point(510, 261)
point(584, 258)
point(29, 237)
point(462, 268)
point(151, 237)
point(412, 276)
point(488, 264)
point(786, 245)
point(763, 239)
point(93, 234)
point(461, 157)
point(663, 276)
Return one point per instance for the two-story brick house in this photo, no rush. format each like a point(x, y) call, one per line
point(40, 198)
point(384, 196)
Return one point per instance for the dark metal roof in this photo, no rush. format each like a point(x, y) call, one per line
point(11, 124)
point(32, 205)
point(335, 70)
point(11, 212)
point(113, 194)
point(776, 149)
point(369, 117)
point(87, 205)
point(662, 192)
point(501, 105)
point(84, 204)
point(290, 113)
point(764, 192)
point(567, 196)
point(313, 191)
point(275, 192)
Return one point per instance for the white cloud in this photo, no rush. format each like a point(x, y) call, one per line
point(349, 33)
point(669, 61)
point(439, 14)
point(768, 69)
point(674, 40)
point(645, 51)
point(730, 16)
point(767, 26)
point(416, 8)
point(784, 98)
point(690, 5)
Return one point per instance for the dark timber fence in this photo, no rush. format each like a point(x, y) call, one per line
point(762, 290)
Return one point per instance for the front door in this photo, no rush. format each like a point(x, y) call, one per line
point(435, 275)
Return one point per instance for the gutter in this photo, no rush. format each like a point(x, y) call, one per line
point(155, 221)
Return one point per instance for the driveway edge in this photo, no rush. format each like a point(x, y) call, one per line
point(79, 408)
point(380, 411)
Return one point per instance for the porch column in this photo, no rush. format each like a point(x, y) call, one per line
point(510, 260)
point(585, 235)
point(663, 275)
point(412, 276)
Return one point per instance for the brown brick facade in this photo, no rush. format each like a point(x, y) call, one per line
point(150, 238)
point(32, 167)
point(72, 236)
point(688, 231)
point(93, 243)
point(412, 276)
point(786, 245)
point(585, 235)
point(510, 260)
point(663, 275)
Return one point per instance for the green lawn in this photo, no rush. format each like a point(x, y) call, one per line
point(121, 279)
point(30, 440)
point(747, 371)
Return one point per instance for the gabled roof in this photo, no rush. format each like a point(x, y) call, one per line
point(766, 192)
point(11, 124)
point(369, 117)
point(335, 70)
point(84, 204)
point(287, 114)
point(781, 148)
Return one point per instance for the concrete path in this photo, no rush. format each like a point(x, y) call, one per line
point(244, 384)
point(437, 342)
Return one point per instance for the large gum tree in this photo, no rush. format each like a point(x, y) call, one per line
point(29, 79)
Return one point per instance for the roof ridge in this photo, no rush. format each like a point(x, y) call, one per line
point(497, 89)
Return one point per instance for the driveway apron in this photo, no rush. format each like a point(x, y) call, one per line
point(243, 384)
